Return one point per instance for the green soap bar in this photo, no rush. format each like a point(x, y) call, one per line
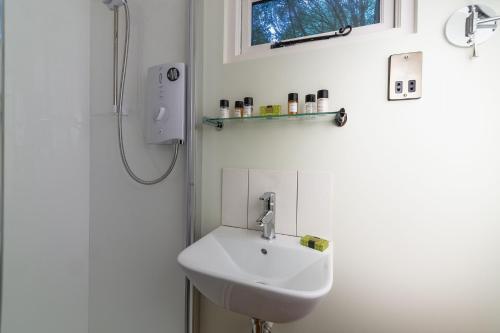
point(270, 110)
point(314, 242)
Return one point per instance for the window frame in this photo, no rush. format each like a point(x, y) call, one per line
point(386, 22)
point(395, 15)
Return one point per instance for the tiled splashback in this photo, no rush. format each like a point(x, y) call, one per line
point(304, 200)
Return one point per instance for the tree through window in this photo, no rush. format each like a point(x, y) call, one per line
point(278, 20)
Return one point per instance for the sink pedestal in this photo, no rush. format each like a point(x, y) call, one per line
point(261, 326)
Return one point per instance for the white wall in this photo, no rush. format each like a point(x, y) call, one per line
point(417, 185)
point(45, 287)
point(136, 231)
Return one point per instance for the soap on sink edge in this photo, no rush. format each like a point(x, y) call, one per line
point(315, 243)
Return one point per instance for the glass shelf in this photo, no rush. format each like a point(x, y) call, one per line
point(340, 118)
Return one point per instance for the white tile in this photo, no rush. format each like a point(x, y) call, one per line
point(234, 197)
point(314, 204)
point(284, 184)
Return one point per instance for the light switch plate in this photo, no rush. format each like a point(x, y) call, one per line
point(405, 76)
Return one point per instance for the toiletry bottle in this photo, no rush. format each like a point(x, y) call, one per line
point(310, 104)
point(238, 109)
point(224, 108)
point(293, 103)
point(323, 103)
point(247, 107)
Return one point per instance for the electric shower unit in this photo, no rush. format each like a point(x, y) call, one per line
point(165, 98)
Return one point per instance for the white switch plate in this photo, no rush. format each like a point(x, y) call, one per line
point(405, 76)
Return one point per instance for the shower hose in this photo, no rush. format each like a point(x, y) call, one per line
point(120, 113)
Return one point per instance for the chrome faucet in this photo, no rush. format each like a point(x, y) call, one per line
point(267, 219)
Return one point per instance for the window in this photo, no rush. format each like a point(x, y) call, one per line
point(251, 26)
point(279, 20)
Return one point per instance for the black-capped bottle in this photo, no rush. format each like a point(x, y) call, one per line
point(238, 109)
point(323, 101)
point(310, 106)
point(247, 107)
point(293, 103)
point(224, 108)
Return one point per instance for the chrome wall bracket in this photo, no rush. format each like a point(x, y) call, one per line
point(471, 26)
point(218, 124)
point(341, 118)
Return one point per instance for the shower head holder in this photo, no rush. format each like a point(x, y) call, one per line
point(113, 4)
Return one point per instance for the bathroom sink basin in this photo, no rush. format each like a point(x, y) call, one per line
point(278, 281)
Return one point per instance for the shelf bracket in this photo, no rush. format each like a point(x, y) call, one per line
point(341, 118)
point(219, 125)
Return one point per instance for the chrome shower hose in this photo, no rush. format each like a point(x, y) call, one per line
point(120, 113)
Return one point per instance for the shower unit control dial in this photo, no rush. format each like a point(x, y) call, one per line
point(166, 104)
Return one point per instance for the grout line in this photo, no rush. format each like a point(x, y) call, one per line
point(221, 195)
point(297, 204)
point(248, 194)
point(234, 227)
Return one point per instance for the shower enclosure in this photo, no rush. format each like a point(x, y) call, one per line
point(2, 99)
point(85, 248)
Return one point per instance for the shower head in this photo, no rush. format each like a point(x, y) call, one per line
point(112, 4)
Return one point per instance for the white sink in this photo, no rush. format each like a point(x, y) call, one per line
point(278, 281)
